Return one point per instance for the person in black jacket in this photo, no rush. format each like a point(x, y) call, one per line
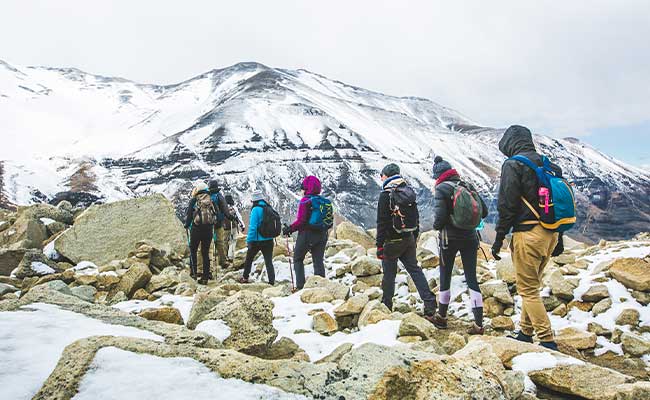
point(451, 241)
point(200, 233)
point(393, 246)
point(531, 244)
point(223, 215)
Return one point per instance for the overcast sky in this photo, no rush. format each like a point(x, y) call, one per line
point(570, 68)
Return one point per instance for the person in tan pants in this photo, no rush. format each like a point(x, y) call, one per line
point(532, 245)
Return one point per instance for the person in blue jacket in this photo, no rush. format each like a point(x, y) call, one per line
point(256, 242)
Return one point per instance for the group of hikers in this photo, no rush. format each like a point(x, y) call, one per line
point(534, 203)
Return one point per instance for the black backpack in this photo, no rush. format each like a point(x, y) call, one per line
point(271, 225)
point(403, 208)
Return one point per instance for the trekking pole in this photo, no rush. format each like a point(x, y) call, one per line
point(293, 287)
point(478, 234)
point(214, 256)
point(189, 247)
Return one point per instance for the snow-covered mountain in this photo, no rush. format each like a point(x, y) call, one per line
point(255, 127)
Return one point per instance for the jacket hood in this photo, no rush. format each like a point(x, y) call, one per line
point(516, 139)
point(311, 185)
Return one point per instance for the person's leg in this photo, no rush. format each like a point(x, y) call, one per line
point(206, 242)
point(267, 252)
point(299, 253)
point(468, 254)
point(529, 257)
point(194, 247)
point(221, 246)
point(318, 252)
point(410, 261)
point(388, 282)
point(447, 257)
point(232, 242)
point(251, 252)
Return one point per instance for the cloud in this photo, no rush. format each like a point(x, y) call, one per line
point(564, 68)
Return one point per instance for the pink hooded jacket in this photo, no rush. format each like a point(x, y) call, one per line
point(312, 186)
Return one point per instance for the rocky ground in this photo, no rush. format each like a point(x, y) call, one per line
point(98, 303)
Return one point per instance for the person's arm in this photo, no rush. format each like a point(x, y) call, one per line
point(509, 202)
point(485, 209)
point(302, 218)
point(189, 213)
point(440, 209)
point(383, 218)
point(240, 220)
point(254, 224)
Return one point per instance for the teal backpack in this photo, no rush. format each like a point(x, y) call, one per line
point(322, 213)
point(556, 209)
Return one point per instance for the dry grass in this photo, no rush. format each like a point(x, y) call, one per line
point(83, 180)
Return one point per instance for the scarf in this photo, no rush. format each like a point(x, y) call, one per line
point(392, 182)
point(447, 175)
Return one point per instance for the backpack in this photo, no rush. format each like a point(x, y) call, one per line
point(204, 212)
point(466, 206)
point(322, 213)
point(556, 209)
point(403, 209)
point(215, 201)
point(271, 225)
point(228, 224)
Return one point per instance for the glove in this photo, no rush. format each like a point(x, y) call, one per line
point(380, 253)
point(286, 230)
point(242, 227)
point(559, 247)
point(496, 247)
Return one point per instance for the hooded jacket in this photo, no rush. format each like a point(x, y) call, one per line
point(443, 206)
point(257, 214)
point(385, 230)
point(517, 181)
point(312, 187)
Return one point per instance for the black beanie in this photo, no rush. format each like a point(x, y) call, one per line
point(439, 167)
point(390, 170)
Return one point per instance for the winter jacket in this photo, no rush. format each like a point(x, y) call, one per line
point(443, 206)
point(221, 207)
point(312, 187)
point(385, 230)
point(517, 181)
point(257, 213)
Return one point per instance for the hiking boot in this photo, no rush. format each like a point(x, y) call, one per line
point(244, 280)
point(549, 345)
point(475, 330)
point(203, 281)
point(522, 337)
point(437, 320)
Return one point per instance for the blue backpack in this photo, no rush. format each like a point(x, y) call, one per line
point(556, 209)
point(322, 213)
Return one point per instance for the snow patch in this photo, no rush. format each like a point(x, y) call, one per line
point(41, 269)
point(181, 303)
point(216, 328)
point(47, 221)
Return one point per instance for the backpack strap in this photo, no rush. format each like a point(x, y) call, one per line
point(539, 171)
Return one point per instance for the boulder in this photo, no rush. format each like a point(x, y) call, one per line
point(85, 293)
point(170, 315)
point(492, 308)
point(277, 291)
point(348, 231)
point(576, 338)
point(316, 295)
point(6, 288)
point(372, 313)
point(601, 306)
point(324, 323)
point(635, 345)
point(596, 293)
point(352, 306)
point(564, 259)
point(634, 273)
point(136, 277)
point(560, 286)
point(414, 325)
point(140, 294)
point(498, 290)
point(282, 349)
point(551, 302)
point(506, 270)
point(250, 318)
point(366, 266)
point(629, 316)
point(162, 281)
point(110, 231)
point(583, 380)
point(41, 210)
point(9, 260)
point(642, 297)
point(34, 263)
point(203, 304)
point(26, 233)
point(560, 310)
point(502, 323)
point(338, 290)
point(373, 280)
point(336, 355)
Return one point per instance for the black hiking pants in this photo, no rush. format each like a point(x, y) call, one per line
point(200, 235)
point(266, 247)
point(313, 242)
point(404, 250)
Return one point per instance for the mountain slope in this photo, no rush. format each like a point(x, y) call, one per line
point(258, 127)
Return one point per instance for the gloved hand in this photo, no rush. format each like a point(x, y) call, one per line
point(496, 247)
point(559, 247)
point(380, 253)
point(242, 227)
point(286, 230)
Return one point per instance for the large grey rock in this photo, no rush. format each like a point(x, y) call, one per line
point(25, 233)
point(84, 292)
point(561, 287)
point(414, 325)
point(506, 270)
point(337, 290)
point(110, 231)
point(34, 263)
point(250, 318)
point(634, 273)
point(204, 303)
point(347, 230)
point(596, 293)
point(6, 288)
point(42, 210)
point(635, 344)
point(9, 260)
point(366, 266)
point(135, 278)
point(498, 290)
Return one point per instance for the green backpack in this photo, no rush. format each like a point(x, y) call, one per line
point(466, 206)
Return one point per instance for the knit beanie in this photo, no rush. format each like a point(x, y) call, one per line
point(439, 167)
point(390, 170)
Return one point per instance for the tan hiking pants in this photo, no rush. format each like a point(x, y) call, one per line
point(221, 246)
point(531, 252)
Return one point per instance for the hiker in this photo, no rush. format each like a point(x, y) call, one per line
point(456, 217)
point(398, 223)
point(200, 219)
point(223, 214)
point(532, 245)
point(313, 221)
point(256, 239)
point(232, 227)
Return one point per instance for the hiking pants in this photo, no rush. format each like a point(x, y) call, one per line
point(200, 235)
point(468, 254)
point(403, 249)
point(531, 251)
point(231, 239)
point(266, 247)
point(220, 244)
point(313, 242)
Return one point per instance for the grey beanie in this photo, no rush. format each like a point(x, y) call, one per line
point(257, 196)
point(390, 170)
point(439, 167)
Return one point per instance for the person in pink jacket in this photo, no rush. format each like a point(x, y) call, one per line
point(310, 237)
